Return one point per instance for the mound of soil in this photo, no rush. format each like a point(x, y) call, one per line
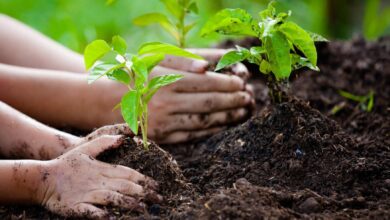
point(288, 146)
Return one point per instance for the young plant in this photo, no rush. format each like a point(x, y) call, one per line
point(284, 45)
point(175, 25)
point(133, 71)
point(366, 102)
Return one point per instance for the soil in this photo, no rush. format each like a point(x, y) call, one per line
point(290, 160)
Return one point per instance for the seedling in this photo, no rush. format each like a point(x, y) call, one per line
point(175, 24)
point(133, 71)
point(284, 45)
point(366, 102)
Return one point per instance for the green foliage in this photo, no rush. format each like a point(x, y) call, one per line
point(376, 20)
point(175, 25)
point(231, 22)
point(366, 102)
point(133, 71)
point(282, 41)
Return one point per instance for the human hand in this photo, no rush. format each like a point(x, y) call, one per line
point(200, 104)
point(196, 106)
point(76, 182)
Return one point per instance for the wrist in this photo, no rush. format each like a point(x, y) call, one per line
point(44, 177)
point(23, 181)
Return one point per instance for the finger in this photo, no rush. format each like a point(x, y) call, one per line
point(134, 190)
point(185, 64)
point(250, 89)
point(241, 71)
point(107, 197)
point(100, 144)
point(124, 187)
point(118, 129)
point(190, 122)
point(87, 210)
point(123, 172)
point(185, 136)
point(210, 102)
point(208, 82)
point(210, 54)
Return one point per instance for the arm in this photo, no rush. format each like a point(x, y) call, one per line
point(23, 137)
point(58, 98)
point(20, 45)
point(20, 180)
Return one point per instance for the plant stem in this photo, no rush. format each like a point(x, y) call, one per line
point(144, 125)
point(181, 30)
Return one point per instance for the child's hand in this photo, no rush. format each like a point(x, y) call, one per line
point(76, 182)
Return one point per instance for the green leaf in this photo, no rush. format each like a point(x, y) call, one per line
point(316, 37)
point(129, 109)
point(152, 60)
point(301, 39)
point(94, 51)
point(141, 71)
point(282, 16)
point(269, 12)
point(351, 96)
point(119, 45)
point(299, 62)
point(370, 103)
point(101, 70)
point(119, 75)
point(231, 22)
point(265, 67)
point(166, 49)
point(231, 57)
point(256, 55)
point(193, 8)
point(173, 7)
point(151, 18)
point(159, 81)
point(278, 54)
point(188, 27)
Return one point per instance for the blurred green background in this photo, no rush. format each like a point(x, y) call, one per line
point(74, 23)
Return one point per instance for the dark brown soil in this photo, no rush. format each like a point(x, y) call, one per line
point(291, 160)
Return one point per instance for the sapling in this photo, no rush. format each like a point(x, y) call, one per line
point(175, 24)
point(285, 46)
point(133, 71)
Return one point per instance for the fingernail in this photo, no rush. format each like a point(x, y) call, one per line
point(200, 66)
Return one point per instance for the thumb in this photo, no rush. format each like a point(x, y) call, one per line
point(118, 129)
point(101, 144)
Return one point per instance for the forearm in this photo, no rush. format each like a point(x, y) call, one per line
point(22, 46)
point(22, 137)
point(58, 99)
point(21, 181)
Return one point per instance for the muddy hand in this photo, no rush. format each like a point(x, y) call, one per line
point(196, 106)
point(76, 182)
point(201, 66)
